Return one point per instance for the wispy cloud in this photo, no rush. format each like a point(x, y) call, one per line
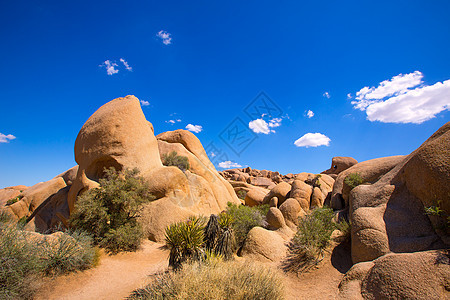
point(5, 138)
point(310, 114)
point(260, 126)
point(313, 140)
point(126, 65)
point(326, 95)
point(229, 164)
point(144, 103)
point(403, 99)
point(165, 37)
point(275, 122)
point(194, 128)
point(110, 67)
point(173, 121)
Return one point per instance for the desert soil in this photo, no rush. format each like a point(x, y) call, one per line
point(118, 275)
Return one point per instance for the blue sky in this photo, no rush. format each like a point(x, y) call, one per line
point(204, 62)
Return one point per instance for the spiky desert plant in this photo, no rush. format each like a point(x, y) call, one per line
point(226, 244)
point(185, 241)
point(212, 232)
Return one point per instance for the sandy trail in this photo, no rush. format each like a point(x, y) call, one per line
point(321, 282)
point(115, 278)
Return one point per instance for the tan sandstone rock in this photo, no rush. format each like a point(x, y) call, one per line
point(387, 216)
point(264, 245)
point(255, 196)
point(339, 164)
point(419, 275)
point(280, 191)
point(291, 211)
point(275, 218)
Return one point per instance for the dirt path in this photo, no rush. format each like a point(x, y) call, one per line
point(321, 282)
point(115, 278)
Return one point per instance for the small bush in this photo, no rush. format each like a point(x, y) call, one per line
point(14, 200)
point(185, 241)
point(19, 264)
point(173, 159)
point(241, 194)
point(312, 237)
point(244, 218)
point(25, 257)
point(109, 213)
point(223, 280)
point(67, 253)
point(353, 180)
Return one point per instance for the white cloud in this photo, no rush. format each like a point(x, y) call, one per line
point(229, 164)
point(194, 128)
point(144, 103)
point(275, 122)
point(126, 65)
point(5, 138)
point(310, 114)
point(349, 96)
point(404, 99)
point(327, 95)
point(165, 37)
point(173, 121)
point(313, 140)
point(260, 126)
point(110, 67)
point(213, 154)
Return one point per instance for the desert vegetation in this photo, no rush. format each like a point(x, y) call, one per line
point(215, 280)
point(109, 213)
point(353, 180)
point(173, 159)
point(25, 257)
point(313, 235)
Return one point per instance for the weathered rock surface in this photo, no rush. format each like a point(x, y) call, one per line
point(264, 245)
point(370, 171)
point(255, 196)
point(389, 216)
point(339, 164)
point(419, 275)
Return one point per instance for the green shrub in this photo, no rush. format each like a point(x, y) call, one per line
point(241, 194)
point(14, 200)
point(173, 159)
point(19, 264)
point(244, 218)
point(313, 236)
point(353, 180)
point(67, 253)
point(185, 241)
point(222, 280)
point(109, 213)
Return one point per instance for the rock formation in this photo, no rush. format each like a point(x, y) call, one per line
point(389, 215)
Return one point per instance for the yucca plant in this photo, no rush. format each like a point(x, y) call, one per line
point(185, 241)
point(226, 244)
point(212, 232)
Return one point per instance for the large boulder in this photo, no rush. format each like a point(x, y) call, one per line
point(255, 196)
point(10, 193)
point(419, 275)
point(389, 215)
point(116, 135)
point(369, 170)
point(280, 191)
point(301, 192)
point(291, 211)
point(33, 197)
point(264, 245)
point(339, 164)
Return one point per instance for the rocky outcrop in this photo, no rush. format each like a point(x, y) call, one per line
point(370, 171)
point(339, 164)
point(118, 135)
point(420, 275)
point(11, 192)
point(389, 215)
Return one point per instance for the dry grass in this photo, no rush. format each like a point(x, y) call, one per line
point(220, 280)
